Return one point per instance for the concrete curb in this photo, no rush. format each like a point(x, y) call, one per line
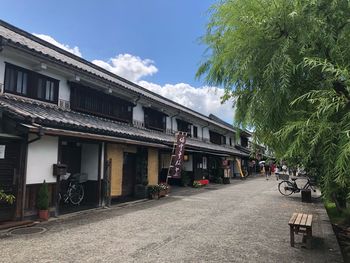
point(331, 245)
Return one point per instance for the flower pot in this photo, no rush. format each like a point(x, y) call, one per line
point(163, 193)
point(154, 196)
point(44, 214)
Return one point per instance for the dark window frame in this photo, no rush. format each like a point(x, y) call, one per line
point(195, 132)
point(217, 138)
point(154, 119)
point(32, 82)
point(244, 141)
point(184, 126)
point(87, 100)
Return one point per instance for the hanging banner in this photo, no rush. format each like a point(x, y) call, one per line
point(177, 159)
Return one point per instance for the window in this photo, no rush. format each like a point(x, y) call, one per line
point(45, 89)
point(195, 132)
point(16, 80)
point(184, 126)
point(87, 100)
point(217, 138)
point(244, 141)
point(223, 139)
point(28, 83)
point(154, 119)
point(230, 141)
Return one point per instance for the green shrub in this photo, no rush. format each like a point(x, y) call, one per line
point(197, 184)
point(7, 198)
point(43, 197)
point(185, 178)
point(153, 189)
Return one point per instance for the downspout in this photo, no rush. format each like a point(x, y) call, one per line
point(136, 100)
point(39, 134)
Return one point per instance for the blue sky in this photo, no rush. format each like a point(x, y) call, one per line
point(152, 42)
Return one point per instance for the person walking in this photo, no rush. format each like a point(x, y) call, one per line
point(267, 170)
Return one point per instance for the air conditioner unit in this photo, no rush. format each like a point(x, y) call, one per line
point(64, 104)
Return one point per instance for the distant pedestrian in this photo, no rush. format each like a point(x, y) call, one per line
point(277, 172)
point(273, 168)
point(267, 171)
point(284, 168)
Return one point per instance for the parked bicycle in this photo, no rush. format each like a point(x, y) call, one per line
point(74, 192)
point(287, 187)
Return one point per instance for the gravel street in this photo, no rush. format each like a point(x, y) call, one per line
point(246, 221)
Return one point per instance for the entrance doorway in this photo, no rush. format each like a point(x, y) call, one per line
point(129, 174)
point(9, 168)
point(83, 167)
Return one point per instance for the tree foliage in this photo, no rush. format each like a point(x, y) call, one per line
point(286, 63)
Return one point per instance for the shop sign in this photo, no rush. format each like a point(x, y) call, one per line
point(177, 160)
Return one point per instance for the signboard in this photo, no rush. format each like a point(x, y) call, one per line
point(177, 159)
point(2, 151)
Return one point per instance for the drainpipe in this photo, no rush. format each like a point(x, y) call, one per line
point(136, 100)
point(39, 134)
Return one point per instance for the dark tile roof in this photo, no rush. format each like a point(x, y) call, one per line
point(217, 119)
point(15, 36)
point(50, 115)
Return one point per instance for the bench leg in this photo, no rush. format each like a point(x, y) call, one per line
point(291, 236)
point(308, 237)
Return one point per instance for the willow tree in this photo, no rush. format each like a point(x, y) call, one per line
point(286, 64)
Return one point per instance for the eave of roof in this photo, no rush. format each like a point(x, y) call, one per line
point(51, 116)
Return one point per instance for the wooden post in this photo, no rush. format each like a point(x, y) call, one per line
point(108, 171)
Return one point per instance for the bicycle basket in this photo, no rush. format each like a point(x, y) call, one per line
point(80, 177)
point(284, 176)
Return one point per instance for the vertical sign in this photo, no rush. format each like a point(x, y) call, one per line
point(177, 160)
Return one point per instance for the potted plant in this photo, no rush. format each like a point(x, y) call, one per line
point(43, 201)
point(153, 191)
point(163, 189)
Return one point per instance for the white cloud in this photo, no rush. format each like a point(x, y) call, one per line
point(128, 66)
point(204, 100)
point(74, 50)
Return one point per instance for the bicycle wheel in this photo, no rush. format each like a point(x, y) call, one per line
point(315, 191)
point(286, 188)
point(76, 194)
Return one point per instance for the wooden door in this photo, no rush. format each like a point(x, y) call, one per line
point(129, 174)
point(9, 169)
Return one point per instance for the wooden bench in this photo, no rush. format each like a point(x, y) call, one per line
point(301, 223)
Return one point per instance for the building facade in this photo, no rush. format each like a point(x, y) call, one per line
point(57, 108)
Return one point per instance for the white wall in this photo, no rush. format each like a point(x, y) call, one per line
point(174, 124)
point(2, 70)
point(168, 123)
point(206, 133)
point(138, 113)
point(42, 154)
point(228, 140)
point(89, 160)
point(64, 89)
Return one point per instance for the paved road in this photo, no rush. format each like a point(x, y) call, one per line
point(245, 221)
